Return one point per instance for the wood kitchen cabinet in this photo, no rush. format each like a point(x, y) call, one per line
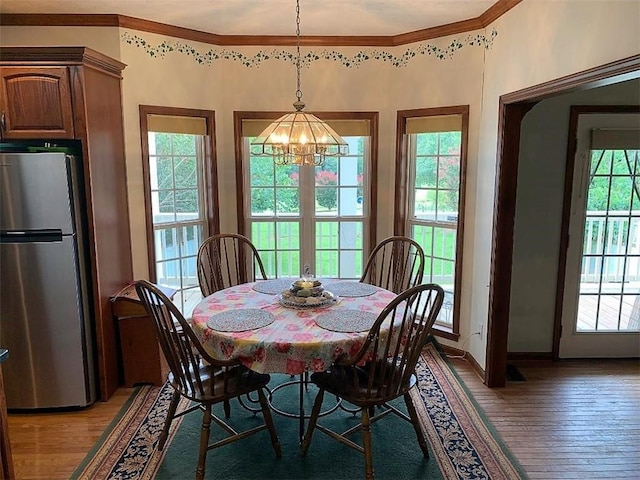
point(24, 92)
point(51, 93)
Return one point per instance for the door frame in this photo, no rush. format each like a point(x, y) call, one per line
point(512, 109)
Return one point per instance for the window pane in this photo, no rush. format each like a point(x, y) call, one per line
point(427, 144)
point(269, 262)
point(278, 244)
point(425, 175)
point(424, 236)
point(326, 180)
point(162, 143)
point(166, 243)
point(189, 272)
point(345, 240)
point(287, 175)
point(186, 172)
point(326, 235)
point(263, 235)
point(447, 206)
point(449, 172)
point(289, 263)
point(168, 273)
point(288, 235)
point(444, 243)
point(184, 144)
point(326, 264)
point(263, 201)
point(261, 171)
point(164, 173)
point(326, 201)
point(287, 201)
point(424, 203)
point(351, 235)
point(192, 237)
point(187, 205)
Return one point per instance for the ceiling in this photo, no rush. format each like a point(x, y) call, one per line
point(274, 17)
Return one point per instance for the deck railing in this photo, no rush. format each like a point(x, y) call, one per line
point(616, 236)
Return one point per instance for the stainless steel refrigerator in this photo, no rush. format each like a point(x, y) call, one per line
point(45, 291)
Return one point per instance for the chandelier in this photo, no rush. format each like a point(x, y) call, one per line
point(299, 138)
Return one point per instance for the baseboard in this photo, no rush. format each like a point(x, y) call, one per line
point(456, 352)
point(515, 356)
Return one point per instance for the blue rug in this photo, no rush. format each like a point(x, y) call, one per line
point(463, 445)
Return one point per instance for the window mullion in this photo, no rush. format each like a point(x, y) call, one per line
point(308, 219)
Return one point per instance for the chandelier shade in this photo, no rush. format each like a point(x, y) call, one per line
point(299, 138)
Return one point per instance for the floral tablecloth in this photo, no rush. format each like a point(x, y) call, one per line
point(293, 343)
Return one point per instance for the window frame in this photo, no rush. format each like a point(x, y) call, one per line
point(210, 180)
point(241, 188)
point(404, 193)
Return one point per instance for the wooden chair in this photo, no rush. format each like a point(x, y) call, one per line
point(226, 260)
point(396, 264)
point(199, 377)
point(382, 370)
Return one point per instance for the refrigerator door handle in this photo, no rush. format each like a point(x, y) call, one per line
point(45, 235)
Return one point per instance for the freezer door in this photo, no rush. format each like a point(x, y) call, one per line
point(35, 191)
point(43, 325)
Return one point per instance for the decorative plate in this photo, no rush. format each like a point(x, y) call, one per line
point(240, 320)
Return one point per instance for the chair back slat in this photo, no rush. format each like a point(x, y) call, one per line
point(396, 264)
point(226, 260)
point(389, 356)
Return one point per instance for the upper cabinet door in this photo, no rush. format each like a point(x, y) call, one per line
point(36, 102)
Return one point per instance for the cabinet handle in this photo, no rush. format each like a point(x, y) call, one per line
point(3, 123)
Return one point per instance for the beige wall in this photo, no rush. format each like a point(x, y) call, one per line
point(536, 41)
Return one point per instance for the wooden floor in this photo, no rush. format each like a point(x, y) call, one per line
point(573, 419)
point(568, 420)
point(51, 445)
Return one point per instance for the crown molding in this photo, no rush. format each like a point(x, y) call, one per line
point(55, 55)
point(113, 20)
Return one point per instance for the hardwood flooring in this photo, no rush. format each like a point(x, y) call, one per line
point(572, 419)
point(51, 445)
point(568, 420)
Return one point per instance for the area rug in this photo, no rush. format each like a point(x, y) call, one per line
point(463, 444)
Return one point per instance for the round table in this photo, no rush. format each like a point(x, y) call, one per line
point(293, 343)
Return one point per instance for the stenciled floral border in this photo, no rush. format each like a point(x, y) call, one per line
point(349, 61)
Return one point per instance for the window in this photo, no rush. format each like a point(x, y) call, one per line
point(309, 219)
point(430, 191)
point(177, 146)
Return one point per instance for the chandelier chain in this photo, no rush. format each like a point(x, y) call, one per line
point(298, 90)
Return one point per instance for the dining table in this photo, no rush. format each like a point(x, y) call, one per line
point(255, 324)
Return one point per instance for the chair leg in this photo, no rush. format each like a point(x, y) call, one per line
point(268, 419)
point(411, 409)
point(315, 412)
point(175, 399)
point(366, 443)
point(204, 442)
point(227, 409)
